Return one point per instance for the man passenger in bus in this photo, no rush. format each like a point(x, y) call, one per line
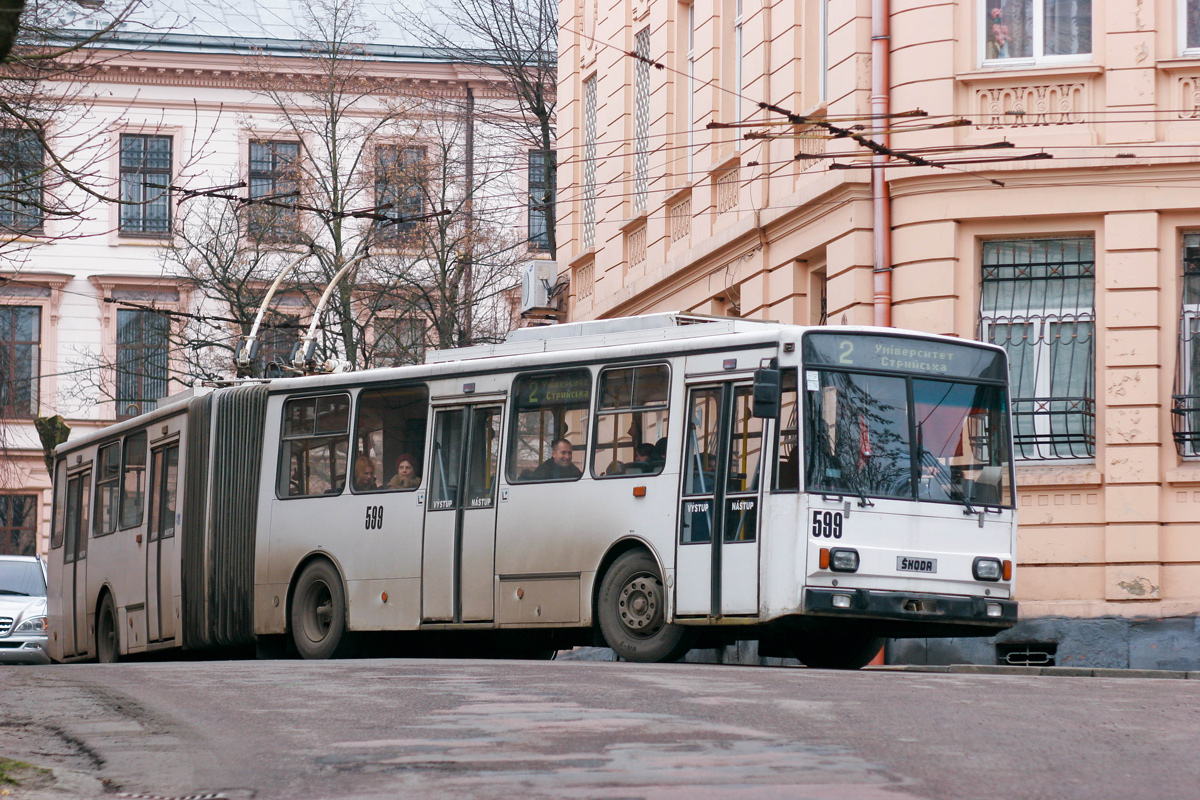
point(364, 475)
point(406, 476)
point(559, 466)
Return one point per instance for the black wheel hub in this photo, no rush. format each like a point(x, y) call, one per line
point(640, 605)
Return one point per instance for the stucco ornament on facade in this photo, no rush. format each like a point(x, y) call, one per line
point(1032, 105)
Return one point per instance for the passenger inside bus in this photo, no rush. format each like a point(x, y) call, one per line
point(406, 476)
point(559, 466)
point(639, 466)
point(364, 474)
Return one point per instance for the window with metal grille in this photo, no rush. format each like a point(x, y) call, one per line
point(641, 120)
point(22, 164)
point(18, 524)
point(541, 198)
point(20, 348)
point(145, 178)
point(273, 177)
point(400, 181)
point(141, 361)
point(589, 162)
point(1037, 301)
point(1185, 411)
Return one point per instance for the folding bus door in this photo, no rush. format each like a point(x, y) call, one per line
point(74, 631)
point(459, 557)
point(160, 543)
point(717, 565)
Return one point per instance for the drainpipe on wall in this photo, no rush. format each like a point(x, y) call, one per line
point(881, 201)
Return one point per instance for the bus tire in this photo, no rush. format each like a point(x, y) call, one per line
point(631, 609)
point(108, 641)
point(318, 618)
point(821, 650)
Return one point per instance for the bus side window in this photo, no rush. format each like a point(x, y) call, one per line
point(631, 421)
point(549, 406)
point(108, 488)
point(389, 439)
point(133, 480)
point(59, 526)
point(314, 445)
point(787, 440)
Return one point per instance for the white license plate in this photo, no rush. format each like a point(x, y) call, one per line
point(910, 564)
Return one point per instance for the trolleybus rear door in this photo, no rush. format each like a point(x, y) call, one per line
point(74, 574)
point(160, 543)
point(458, 563)
point(717, 565)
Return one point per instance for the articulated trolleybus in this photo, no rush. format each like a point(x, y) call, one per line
point(654, 483)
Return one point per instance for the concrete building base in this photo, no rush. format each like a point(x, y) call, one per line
point(1101, 643)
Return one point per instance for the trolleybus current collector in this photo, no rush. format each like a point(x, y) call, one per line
point(652, 483)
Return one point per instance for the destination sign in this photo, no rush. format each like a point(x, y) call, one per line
point(561, 388)
point(902, 354)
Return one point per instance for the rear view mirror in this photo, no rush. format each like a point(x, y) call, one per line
point(766, 393)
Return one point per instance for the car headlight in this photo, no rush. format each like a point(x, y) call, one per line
point(33, 625)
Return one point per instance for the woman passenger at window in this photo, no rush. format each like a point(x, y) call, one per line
point(406, 476)
point(364, 475)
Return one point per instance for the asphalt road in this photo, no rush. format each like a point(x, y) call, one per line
point(507, 729)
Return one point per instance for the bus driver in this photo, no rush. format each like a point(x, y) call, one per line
point(559, 466)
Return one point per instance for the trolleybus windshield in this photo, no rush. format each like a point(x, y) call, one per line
point(906, 419)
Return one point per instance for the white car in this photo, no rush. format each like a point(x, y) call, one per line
point(23, 627)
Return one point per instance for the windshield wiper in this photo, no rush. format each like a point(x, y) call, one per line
point(863, 502)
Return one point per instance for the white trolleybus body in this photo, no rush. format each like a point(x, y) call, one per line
point(654, 483)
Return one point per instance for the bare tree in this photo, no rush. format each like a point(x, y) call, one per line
point(53, 147)
point(366, 174)
point(516, 40)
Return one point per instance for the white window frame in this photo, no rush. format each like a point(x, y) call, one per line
point(1181, 32)
point(1038, 14)
point(823, 55)
point(691, 88)
point(738, 54)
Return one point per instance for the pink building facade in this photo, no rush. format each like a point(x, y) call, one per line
point(1084, 264)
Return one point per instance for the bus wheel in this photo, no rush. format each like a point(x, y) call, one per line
point(836, 650)
point(632, 609)
point(319, 613)
point(108, 645)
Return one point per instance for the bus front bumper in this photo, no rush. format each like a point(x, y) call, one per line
point(925, 611)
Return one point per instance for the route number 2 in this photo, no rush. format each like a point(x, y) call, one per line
point(374, 517)
point(827, 524)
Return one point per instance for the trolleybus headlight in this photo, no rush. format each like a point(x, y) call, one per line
point(841, 601)
point(994, 610)
point(987, 569)
point(843, 560)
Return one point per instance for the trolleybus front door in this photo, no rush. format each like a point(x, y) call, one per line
point(717, 564)
point(458, 563)
point(74, 574)
point(160, 543)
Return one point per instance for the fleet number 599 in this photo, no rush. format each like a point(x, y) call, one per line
point(827, 524)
